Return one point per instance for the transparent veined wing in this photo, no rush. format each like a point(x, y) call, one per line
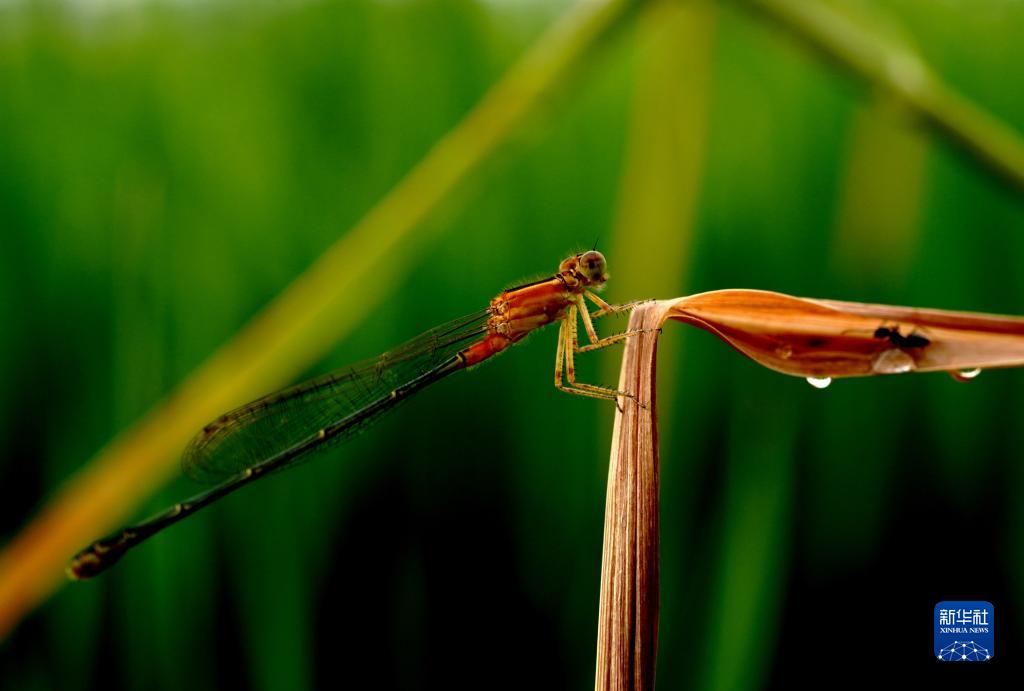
point(266, 427)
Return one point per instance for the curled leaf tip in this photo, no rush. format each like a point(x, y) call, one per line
point(828, 339)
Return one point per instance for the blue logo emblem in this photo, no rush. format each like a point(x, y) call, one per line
point(964, 631)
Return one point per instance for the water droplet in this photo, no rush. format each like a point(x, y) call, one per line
point(784, 351)
point(965, 375)
point(819, 382)
point(892, 361)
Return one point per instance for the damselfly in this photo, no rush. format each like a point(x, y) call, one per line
point(279, 430)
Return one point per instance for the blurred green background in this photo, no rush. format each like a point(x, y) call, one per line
point(167, 168)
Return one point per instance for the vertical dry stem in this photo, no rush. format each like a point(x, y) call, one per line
point(628, 622)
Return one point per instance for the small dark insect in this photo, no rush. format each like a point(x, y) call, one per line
point(911, 340)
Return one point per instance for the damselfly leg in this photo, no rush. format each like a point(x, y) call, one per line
point(568, 344)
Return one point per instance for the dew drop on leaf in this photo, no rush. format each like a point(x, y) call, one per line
point(892, 361)
point(966, 375)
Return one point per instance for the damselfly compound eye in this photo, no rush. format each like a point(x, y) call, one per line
point(592, 265)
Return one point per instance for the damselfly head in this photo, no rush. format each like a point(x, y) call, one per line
point(588, 267)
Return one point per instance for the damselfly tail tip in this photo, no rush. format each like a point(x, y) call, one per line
point(83, 566)
point(94, 560)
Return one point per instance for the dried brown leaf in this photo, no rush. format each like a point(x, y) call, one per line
point(828, 338)
point(798, 336)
